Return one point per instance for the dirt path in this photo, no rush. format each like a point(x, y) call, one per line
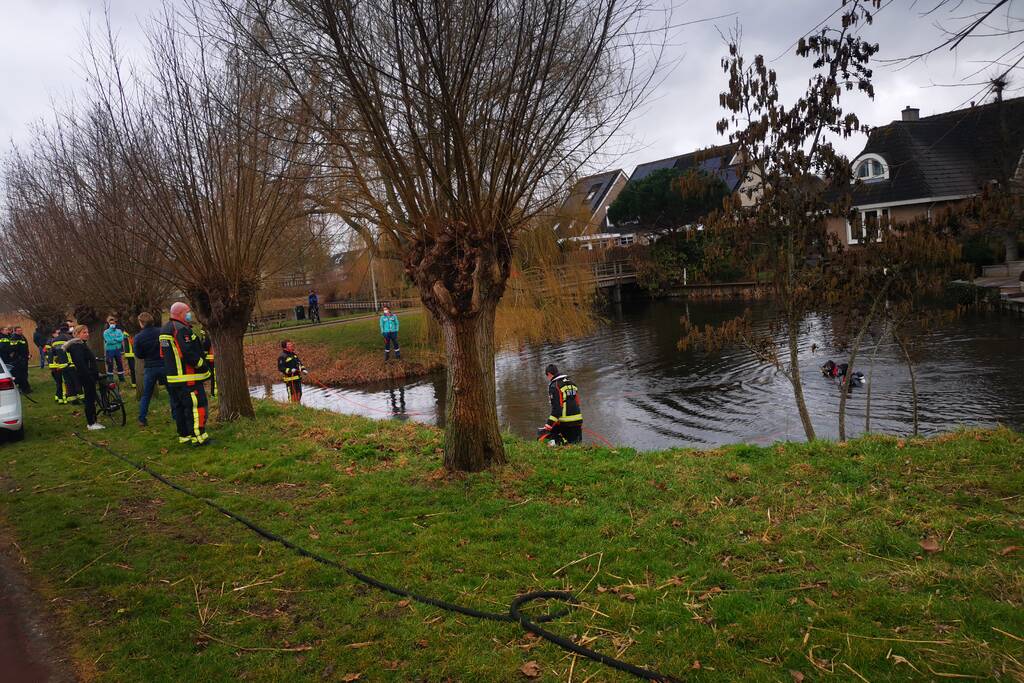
point(30, 649)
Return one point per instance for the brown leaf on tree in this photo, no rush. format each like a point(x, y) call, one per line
point(930, 545)
point(531, 669)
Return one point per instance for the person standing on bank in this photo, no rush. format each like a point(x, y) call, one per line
point(210, 359)
point(147, 349)
point(19, 359)
point(565, 424)
point(86, 372)
point(5, 344)
point(39, 339)
point(292, 370)
point(186, 368)
point(389, 330)
point(60, 367)
point(113, 343)
point(128, 352)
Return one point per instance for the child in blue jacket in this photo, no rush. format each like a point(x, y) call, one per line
point(389, 330)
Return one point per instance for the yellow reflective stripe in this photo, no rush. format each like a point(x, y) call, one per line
point(177, 358)
point(289, 378)
point(195, 413)
point(571, 418)
point(177, 379)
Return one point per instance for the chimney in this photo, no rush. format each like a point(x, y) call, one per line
point(911, 114)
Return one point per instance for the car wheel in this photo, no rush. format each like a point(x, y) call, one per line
point(18, 435)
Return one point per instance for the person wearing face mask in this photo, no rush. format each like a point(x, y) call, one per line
point(187, 369)
point(113, 345)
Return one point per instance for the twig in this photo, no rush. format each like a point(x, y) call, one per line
point(96, 560)
point(258, 583)
point(300, 648)
point(585, 557)
point(54, 488)
point(861, 550)
point(895, 640)
point(380, 552)
point(1008, 635)
point(943, 674)
point(854, 672)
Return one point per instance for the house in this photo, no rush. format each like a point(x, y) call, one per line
point(584, 213)
point(915, 167)
point(720, 161)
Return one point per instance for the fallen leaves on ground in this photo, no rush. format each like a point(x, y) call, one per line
point(930, 545)
point(531, 669)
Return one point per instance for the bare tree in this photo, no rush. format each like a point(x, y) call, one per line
point(219, 154)
point(450, 125)
point(786, 151)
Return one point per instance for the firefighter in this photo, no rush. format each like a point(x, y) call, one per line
point(565, 424)
point(5, 345)
point(185, 364)
point(128, 352)
point(292, 370)
point(59, 362)
point(19, 359)
point(210, 359)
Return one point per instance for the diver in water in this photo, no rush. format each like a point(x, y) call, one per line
point(841, 371)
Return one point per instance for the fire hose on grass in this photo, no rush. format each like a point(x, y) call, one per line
point(514, 614)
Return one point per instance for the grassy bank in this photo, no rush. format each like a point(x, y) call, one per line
point(347, 354)
point(879, 559)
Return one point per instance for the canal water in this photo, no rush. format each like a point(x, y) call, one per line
point(639, 390)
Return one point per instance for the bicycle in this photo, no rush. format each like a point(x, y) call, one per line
point(109, 403)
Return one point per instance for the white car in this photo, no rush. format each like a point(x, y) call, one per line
point(11, 424)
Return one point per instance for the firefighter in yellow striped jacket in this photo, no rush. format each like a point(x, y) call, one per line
point(61, 368)
point(186, 368)
point(128, 353)
point(292, 370)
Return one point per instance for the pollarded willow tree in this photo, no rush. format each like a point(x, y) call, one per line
point(452, 124)
point(220, 157)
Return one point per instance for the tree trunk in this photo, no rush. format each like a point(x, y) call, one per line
point(845, 383)
point(472, 439)
point(871, 374)
point(233, 399)
point(1010, 243)
point(913, 377)
point(798, 387)
point(224, 309)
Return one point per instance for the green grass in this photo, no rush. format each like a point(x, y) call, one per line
point(363, 335)
point(753, 561)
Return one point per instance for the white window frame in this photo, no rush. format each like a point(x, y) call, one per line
point(863, 158)
point(877, 212)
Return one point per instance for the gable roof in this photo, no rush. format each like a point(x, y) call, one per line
point(596, 187)
point(713, 160)
point(947, 155)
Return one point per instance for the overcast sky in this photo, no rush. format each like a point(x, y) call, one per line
point(41, 43)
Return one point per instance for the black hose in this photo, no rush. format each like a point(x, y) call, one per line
point(514, 615)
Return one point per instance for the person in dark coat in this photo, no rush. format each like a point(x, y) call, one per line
point(147, 349)
point(187, 369)
point(39, 339)
point(19, 359)
point(86, 372)
point(292, 370)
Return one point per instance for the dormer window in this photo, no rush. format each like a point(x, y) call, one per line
point(594, 189)
point(870, 167)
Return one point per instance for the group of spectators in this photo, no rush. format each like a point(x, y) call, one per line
point(175, 356)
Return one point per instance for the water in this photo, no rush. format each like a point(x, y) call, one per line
point(637, 389)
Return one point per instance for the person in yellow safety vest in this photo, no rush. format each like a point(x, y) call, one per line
point(210, 360)
point(292, 370)
point(186, 368)
point(59, 362)
point(565, 424)
point(128, 352)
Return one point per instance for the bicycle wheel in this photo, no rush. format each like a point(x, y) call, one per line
point(111, 407)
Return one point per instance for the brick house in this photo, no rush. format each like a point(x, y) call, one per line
point(915, 167)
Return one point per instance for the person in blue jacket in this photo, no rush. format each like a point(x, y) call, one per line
point(389, 330)
point(113, 348)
